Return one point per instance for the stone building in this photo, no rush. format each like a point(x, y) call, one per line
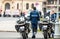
point(20, 5)
point(52, 4)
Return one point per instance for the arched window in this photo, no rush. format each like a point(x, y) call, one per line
point(7, 6)
point(32, 5)
point(27, 5)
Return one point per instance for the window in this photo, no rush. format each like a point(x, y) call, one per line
point(59, 1)
point(50, 1)
point(17, 5)
point(27, 5)
point(44, 3)
point(59, 8)
point(7, 6)
point(32, 5)
point(55, 1)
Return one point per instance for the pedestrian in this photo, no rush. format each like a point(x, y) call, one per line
point(4, 14)
point(22, 14)
point(52, 33)
point(53, 18)
point(34, 18)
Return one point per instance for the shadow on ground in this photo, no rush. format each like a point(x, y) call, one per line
point(27, 38)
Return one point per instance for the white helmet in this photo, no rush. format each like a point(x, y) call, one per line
point(47, 17)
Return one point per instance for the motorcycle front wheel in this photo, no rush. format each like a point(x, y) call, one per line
point(24, 35)
point(45, 35)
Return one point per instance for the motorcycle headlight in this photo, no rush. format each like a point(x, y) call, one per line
point(22, 28)
point(44, 27)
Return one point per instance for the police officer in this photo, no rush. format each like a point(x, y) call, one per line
point(34, 17)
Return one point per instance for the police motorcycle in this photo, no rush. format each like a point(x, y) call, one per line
point(23, 27)
point(46, 28)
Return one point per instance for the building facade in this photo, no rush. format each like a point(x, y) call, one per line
point(21, 5)
point(52, 4)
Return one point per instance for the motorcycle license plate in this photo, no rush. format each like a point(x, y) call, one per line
point(44, 25)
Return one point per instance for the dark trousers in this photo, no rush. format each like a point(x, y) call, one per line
point(34, 28)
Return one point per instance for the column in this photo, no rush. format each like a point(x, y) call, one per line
point(54, 2)
point(57, 30)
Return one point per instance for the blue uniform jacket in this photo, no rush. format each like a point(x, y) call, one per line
point(53, 17)
point(34, 17)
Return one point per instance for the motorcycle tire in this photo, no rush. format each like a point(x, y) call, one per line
point(45, 35)
point(24, 35)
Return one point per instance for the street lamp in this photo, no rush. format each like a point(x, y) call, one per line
point(22, 5)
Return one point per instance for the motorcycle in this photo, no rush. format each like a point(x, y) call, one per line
point(22, 27)
point(46, 28)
